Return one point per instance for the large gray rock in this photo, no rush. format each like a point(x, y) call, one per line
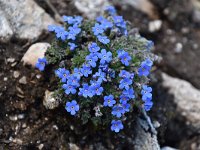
point(186, 98)
point(22, 18)
point(91, 9)
point(144, 6)
point(143, 138)
point(6, 32)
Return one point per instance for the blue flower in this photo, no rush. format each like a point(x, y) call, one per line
point(129, 93)
point(72, 20)
point(126, 107)
point(97, 89)
point(111, 10)
point(52, 28)
point(104, 67)
point(116, 125)
point(86, 70)
point(78, 73)
point(41, 63)
point(105, 56)
point(92, 59)
point(73, 80)
point(109, 100)
point(125, 83)
point(100, 19)
point(106, 24)
point(124, 57)
point(72, 46)
point(100, 75)
point(97, 29)
point(71, 35)
point(63, 74)
point(146, 93)
point(103, 39)
point(68, 19)
point(124, 99)
point(93, 47)
point(119, 21)
point(124, 74)
point(61, 33)
point(118, 111)
point(145, 68)
point(86, 91)
point(74, 29)
point(78, 19)
point(72, 107)
point(148, 105)
point(69, 89)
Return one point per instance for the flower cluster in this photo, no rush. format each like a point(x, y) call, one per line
point(102, 73)
point(147, 97)
point(69, 34)
point(145, 67)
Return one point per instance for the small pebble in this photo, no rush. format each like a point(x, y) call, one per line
point(55, 127)
point(179, 47)
point(5, 79)
point(23, 80)
point(24, 125)
point(13, 118)
point(10, 60)
point(18, 141)
point(13, 64)
point(38, 76)
point(155, 25)
point(16, 74)
point(21, 116)
point(40, 146)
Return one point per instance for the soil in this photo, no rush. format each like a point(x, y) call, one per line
point(29, 125)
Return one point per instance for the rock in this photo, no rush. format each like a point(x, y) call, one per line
point(34, 52)
point(73, 146)
point(13, 118)
point(144, 140)
point(180, 54)
point(186, 99)
point(144, 6)
point(22, 18)
point(6, 32)
point(23, 80)
point(11, 60)
point(91, 9)
point(16, 74)
point(176, 107)
point(49, 101)
point(192, 144)
point(168, 148)
point(155, 25)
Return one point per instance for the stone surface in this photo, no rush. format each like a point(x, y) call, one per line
point(22, 18)
point(180, 52)
point(176, 107)
point(6, 32)
point(23, 80)
point(186, 99)
point(168, 148)
point(49, 101)
point(143, 138)
point(34, 52)
point(91, 9)
point(144, 6)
